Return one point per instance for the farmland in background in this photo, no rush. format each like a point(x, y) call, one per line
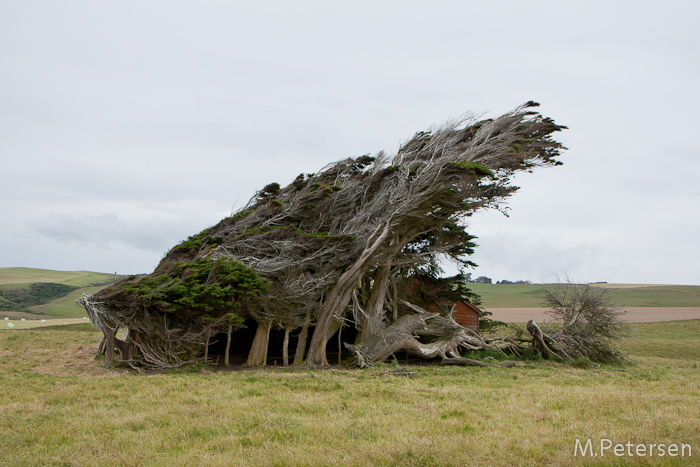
point(624, 295)
point(39, 293)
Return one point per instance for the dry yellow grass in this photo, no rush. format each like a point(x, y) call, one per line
point(59, 407)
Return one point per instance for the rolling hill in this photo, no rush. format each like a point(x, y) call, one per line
point(44, 292)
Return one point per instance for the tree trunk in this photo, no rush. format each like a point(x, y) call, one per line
point(258, 349)
point(285, 347)
point(339, 298)
point(340, 345)
point(375, 308)
point(395, 297)
point(109, 346)
point(126, 349)
point(228, 345)
point(445, 334)
point(541, 340)
point(301, 343)
point(206, 350)
point(397, 337)
point(101, 348)
point(130, 345)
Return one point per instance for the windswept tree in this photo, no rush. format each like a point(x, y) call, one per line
point(586, 324)
point(333, 247)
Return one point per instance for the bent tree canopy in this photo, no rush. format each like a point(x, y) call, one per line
point(332, 249)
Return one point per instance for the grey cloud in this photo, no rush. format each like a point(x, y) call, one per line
point(106, 230)
point(128, 127)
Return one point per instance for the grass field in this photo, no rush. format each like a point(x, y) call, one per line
point(21, 276)
point(528, 295)
point(63, 307)
point(66, 307)
point(60, 407)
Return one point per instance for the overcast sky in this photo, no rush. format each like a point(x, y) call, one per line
point(127, 126)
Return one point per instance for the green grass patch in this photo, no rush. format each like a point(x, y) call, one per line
point(662, 296)
point(675, 340)
point(48, 293)
point(24, 276)
point(508, 295)
point(529, 295)
point(37, 293)
point(65, 307)
point(87, 327)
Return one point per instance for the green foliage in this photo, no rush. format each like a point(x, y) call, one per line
point(362, 162)
point(317, 234)
point(201, 287)
point(329, 190)
point(450, 239)
point(426, 289)
point(478, 169)
point(242, 214)
point(299, 182)
point(310, 207)
point(326, 190)
point(256, 230)
point(488, 324)
point(195, 243)
point(390, 170)
point(270, 190)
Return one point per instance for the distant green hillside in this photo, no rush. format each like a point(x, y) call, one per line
point(52, 293)
point(528, 295)
point(507, 295)
point(47, 292)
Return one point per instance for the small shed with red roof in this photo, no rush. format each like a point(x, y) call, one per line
point(464, 313)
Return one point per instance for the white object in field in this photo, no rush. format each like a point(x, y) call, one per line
point(43, 320)
point(10, 325)
point(84, 317)
point(23, 319)
point(6, 318)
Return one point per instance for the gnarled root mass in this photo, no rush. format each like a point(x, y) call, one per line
point(426, 335)
point(429, 335)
